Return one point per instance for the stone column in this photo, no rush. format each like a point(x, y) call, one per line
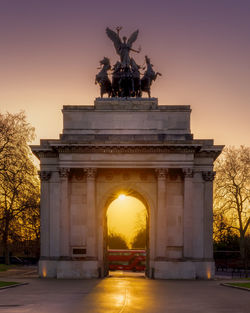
point(64, 213)
point(91, 213)
point(188, 213)
point(55, 214)
point(161, 228)
point(45, 213)
point(208, 177)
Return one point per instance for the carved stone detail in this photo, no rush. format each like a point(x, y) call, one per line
point(161, 173)
point(77, 174)
point(208, 175)
point(64, 172)
point(46, 154)
point(124, 149)
point(44, 175)
point(188, 172)
point(90, 172)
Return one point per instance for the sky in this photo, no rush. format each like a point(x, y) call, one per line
point(50, 51)
point(125, 216)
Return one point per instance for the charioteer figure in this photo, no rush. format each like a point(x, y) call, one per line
point(123, 48)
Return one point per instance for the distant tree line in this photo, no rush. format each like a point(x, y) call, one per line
point(118, 241)
point(139, 240)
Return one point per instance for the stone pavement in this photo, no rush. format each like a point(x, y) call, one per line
point(122, 293)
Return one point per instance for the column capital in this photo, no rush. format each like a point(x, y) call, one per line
point(161, 173)
point(64, 172)
point(90, 172)
point(188, 172)
point(44, 175)
point(208, 175)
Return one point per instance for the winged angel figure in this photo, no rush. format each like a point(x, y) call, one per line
point(123, 48)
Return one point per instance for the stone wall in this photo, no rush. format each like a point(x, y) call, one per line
point(135, 147)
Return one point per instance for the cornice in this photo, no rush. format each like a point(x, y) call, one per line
point(55, 149)
point(209, 152)
point(125, 149)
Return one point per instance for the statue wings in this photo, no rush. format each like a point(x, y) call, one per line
point(115, 38)
point(132, 38)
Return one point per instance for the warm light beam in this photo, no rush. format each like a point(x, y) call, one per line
point(121, 197)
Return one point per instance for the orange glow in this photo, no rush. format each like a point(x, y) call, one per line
point(209, 273)
point(44, 272)
point(121, 197)
point(124, 214)
point(46, 67)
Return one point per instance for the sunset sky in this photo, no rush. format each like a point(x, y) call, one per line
point(50, 51)
point(125, 215)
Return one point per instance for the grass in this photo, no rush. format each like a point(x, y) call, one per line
point(4, 267)
point(7, 283)
point(245, 285)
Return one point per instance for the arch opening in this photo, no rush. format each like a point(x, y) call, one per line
point(127, 234)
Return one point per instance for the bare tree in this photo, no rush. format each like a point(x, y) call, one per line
point(139, 240)
point(232, 194)
point(15, 132)
point(116, 241)
point(19, 185)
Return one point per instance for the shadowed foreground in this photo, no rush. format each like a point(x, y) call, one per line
point(123, 294)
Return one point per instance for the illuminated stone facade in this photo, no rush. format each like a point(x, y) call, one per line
point(140, 148)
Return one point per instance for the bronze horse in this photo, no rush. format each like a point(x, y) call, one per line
point(102, 78)
point(148, 77)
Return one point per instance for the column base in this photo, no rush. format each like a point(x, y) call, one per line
point(69, 269)
point(183, 269)
point(62, 269)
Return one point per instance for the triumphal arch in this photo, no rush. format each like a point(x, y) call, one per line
point(135, 146)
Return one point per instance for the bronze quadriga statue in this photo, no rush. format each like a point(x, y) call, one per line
point(126, 76)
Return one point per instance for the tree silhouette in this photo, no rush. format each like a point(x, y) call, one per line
point(139, 240)
point(232, 195)
point(116, 241)
point(19, 183)
point(140, 237)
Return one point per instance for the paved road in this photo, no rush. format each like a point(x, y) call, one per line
point(122, 294)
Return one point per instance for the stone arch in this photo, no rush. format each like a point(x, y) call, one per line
point(138, 192)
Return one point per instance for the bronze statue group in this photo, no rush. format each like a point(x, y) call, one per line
point(126, 77)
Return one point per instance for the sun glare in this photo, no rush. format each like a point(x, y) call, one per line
point(121, 197)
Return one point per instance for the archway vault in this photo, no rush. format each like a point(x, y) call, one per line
point(106, 197)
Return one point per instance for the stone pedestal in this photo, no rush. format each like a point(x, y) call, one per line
point(132, 145)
